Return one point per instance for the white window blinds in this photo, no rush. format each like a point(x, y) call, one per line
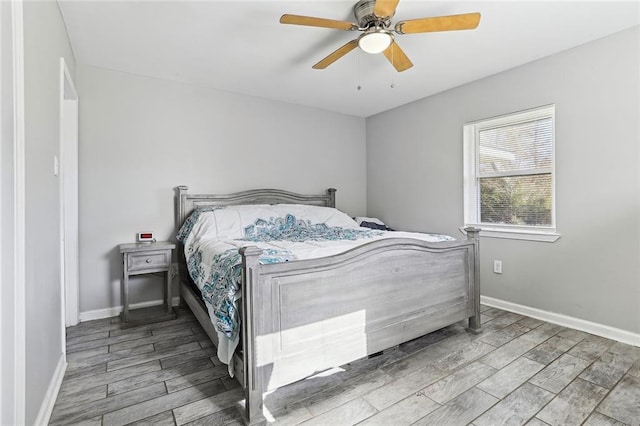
point(515, 173)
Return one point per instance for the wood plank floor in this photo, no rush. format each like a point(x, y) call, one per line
point(519, 371)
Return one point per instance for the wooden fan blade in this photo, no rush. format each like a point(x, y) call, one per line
point(310, 21)
point(385, 8)
point(397, 57)
point(337, 54)
point(467, 21)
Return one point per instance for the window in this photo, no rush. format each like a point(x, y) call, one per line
point(509, 178)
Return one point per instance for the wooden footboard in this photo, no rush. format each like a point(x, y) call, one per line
point(306, 316)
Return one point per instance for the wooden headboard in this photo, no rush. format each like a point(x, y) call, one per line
point(187, 203)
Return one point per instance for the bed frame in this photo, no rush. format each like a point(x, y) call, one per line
point(306, 316)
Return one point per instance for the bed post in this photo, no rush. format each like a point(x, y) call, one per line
point(475, 326)
point(253, 377)
point(182, 194)
point(179, 214)
point(331, 192)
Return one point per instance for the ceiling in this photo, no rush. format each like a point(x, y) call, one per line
point(239, 46)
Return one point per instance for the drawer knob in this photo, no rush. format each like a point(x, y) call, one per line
point(148, 260)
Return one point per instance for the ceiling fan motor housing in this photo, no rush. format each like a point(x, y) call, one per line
point(363, 11)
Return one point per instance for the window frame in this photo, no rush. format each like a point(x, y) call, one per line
point(471, 140)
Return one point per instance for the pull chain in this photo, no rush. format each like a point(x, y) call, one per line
point(393, 50)
point(359, 87)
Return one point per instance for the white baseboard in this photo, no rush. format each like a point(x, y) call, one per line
point(620, 335)
point(52, 393)
point(115, 311)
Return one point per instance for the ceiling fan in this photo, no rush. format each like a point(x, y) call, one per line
point(373, 19)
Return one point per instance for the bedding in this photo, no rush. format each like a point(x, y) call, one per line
point(212, 237)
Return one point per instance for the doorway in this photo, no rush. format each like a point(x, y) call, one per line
point(68, 169)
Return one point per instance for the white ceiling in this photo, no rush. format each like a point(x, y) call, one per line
point(240, 46)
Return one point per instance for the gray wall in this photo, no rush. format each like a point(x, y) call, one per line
point(414, 178)
point(141, 137)
point(46, 41)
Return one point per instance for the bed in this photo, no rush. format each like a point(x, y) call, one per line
point(300, 317)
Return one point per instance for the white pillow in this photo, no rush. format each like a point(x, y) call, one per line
point(316, 214)
point(229, 222)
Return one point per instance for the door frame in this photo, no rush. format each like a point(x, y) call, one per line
point(13, 218)
point(68, 174)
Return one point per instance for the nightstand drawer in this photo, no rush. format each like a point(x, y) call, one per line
point(149, 260)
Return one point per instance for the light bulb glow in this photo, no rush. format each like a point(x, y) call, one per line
point(375, 42)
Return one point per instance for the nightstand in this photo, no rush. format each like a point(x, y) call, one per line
point(146, 258)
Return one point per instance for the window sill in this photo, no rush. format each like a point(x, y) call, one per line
point(515, 234)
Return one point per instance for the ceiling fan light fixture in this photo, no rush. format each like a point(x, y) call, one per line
point(375, 41)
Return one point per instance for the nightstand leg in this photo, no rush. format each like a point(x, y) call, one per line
point(169, 300)
point(125, 292)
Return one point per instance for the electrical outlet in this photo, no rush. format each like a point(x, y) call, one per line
point(497, 266)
